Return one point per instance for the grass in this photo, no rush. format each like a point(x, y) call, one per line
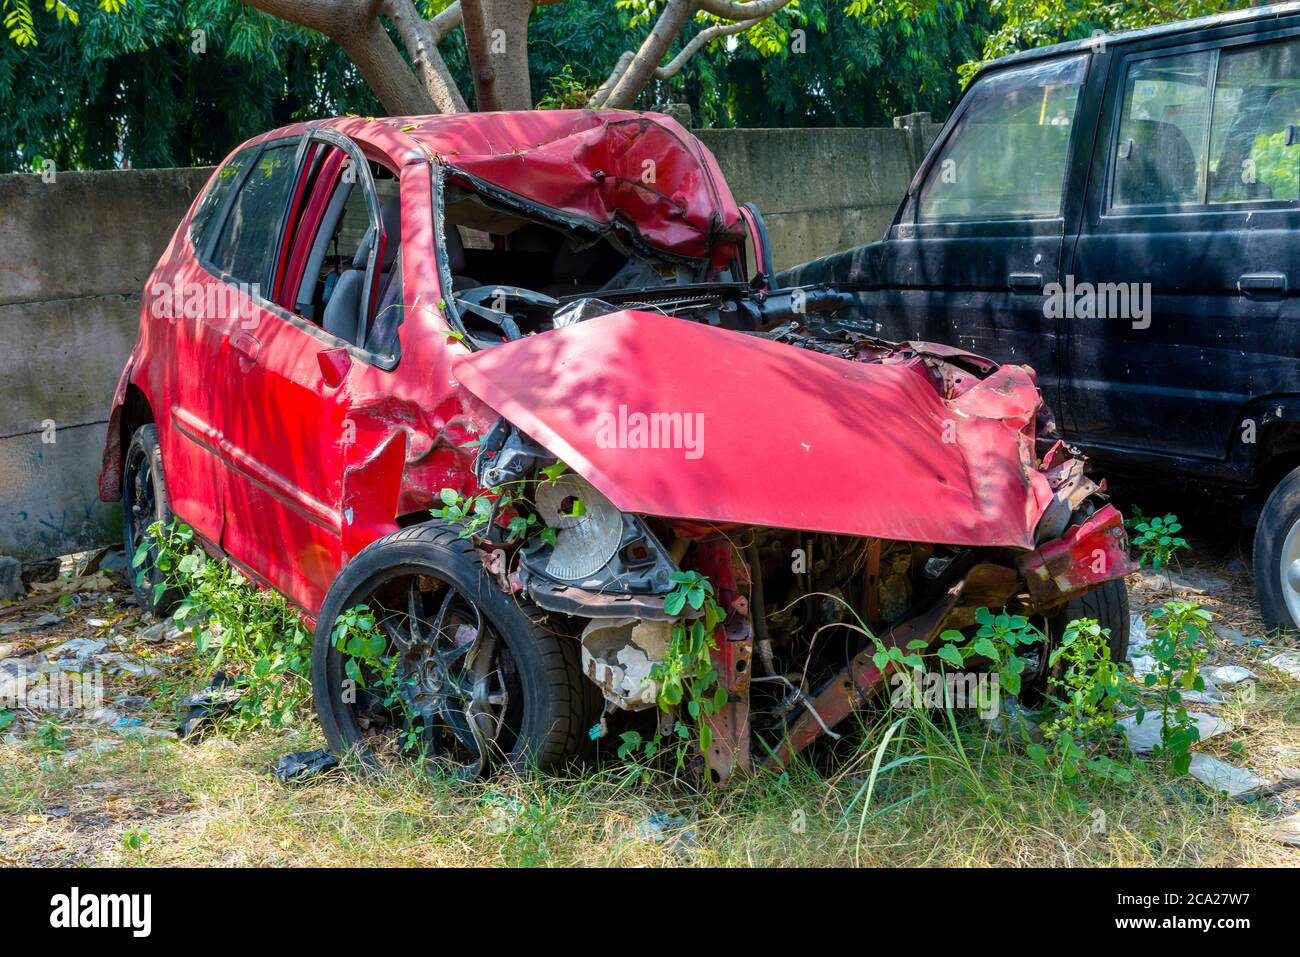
point(215, 804)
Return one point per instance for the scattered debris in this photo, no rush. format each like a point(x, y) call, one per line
point(1222, 777)
point(1143, 737)
point(1230, 674)
point(207, 705)
point(136, 669)
point(660, 827)
point(1288, 662)
point(301, 765)
point(80, 648)
point(1285, 830)
point(77, 583)
point(1229, 634)
point(163, 631)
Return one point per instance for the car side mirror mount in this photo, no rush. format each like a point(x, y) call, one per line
point(334, 365)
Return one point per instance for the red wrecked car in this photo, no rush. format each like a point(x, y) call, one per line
point(545, 328)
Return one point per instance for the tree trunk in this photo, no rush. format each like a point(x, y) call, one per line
point(504, 54)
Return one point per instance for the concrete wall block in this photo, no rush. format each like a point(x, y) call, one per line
point(88, 234)
point(49, 504)
point(69, 354)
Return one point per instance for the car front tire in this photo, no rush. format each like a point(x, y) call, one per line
point(549, 701)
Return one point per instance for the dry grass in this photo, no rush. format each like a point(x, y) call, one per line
point(215, 803)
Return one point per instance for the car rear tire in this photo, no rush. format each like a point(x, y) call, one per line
point(1277, 555)
point(426, 586)
point(145, 501)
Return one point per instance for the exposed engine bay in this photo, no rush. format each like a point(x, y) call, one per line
point(791, 653)
point(516, 270)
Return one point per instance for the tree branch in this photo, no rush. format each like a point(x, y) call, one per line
point(421, 40)
point(353, 25)
point(474, 23)
point(752, 10)
point(646, 60)
point(445, 22)
point(670, 69)
point(602, 92)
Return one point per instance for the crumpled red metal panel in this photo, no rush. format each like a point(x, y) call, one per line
point(788, 438)
point(643, 170)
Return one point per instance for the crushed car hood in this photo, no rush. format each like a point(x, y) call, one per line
point(770, 434)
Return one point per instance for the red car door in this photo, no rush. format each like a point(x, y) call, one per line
point(188, 319)
point(291, 368)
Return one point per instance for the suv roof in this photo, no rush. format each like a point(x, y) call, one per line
point(1272, 12)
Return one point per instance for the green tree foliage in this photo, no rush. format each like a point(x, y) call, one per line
point(140, 87)
point(106, 83)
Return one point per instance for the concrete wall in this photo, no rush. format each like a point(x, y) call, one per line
point(822, 190)
point(75, 254)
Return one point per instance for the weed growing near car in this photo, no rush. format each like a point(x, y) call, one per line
point(250, 632)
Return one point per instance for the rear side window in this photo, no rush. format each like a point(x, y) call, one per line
point(1159, 158)
point(246, 248)
point(1256, 112)
point(1006, 157)
point(220, 188)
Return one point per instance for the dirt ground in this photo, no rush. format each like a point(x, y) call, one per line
point(113, 785)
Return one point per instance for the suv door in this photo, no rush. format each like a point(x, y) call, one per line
point(1192, 209)
point(979, 237)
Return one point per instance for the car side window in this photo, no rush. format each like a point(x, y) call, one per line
point(327, 274)
point(1007, 153)
point(1255, 124)
point(220, 188)
point(249, 236)
point(1159, 156)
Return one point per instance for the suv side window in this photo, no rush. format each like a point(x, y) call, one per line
point(1007, 153)
point(224, 182)
point(247, 246)
point(1256, 105)
point(1159, 160)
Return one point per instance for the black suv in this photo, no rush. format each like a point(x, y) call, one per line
point(1122, 214)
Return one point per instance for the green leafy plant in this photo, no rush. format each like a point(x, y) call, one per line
point(366, 652)
point(52, 736)
point(685, 675)
point(997, 638)
point(1157, 541)
point(474, 513)
point(252, 633)
point(1084, 688)
point(1180, 642)
point(135, 839)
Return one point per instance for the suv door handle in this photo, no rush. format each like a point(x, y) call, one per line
point(1025, 281)
point(1262, 283)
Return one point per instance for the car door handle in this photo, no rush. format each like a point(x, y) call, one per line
point(248, 346)
point(1026, 281)
point(1262, 283)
